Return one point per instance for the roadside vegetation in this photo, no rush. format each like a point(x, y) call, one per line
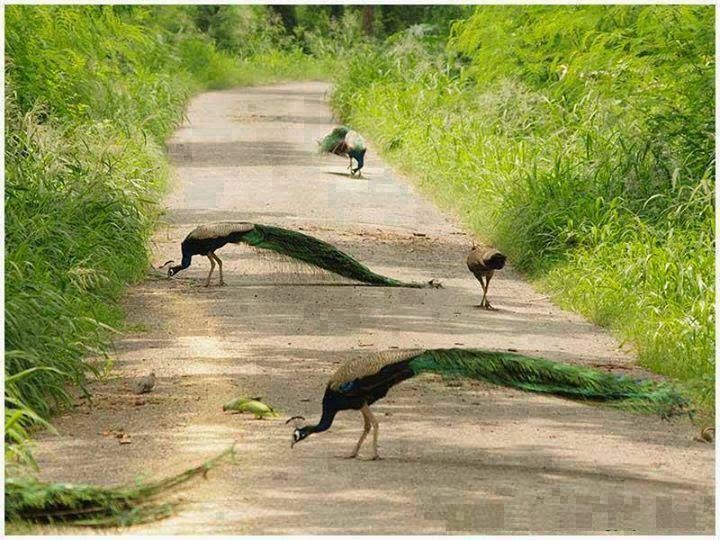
point(580, 140)
point(92, 92)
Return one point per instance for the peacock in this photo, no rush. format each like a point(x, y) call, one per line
point(207, 239)
point(344, 141)
point(482, 262)
point(359, 383)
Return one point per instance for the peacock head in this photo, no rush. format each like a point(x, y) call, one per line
point(300, 432)
point(175, 269)
point(171, 271)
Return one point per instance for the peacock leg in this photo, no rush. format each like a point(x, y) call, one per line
point(375, 426)
point(220, 268)
point(212, 267)
point(366, 429)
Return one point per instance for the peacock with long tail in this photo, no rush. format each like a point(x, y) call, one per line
point(207, 239)
point(482, 262)
point(343, 141)
point(359, 383)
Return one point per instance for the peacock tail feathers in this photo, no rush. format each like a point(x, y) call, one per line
point(341, 139)
point(317, 253)
point(28, 499)
point(333, 139)
point(545, 376)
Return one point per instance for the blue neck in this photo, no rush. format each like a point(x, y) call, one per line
point(359, 157)
point(328, 415)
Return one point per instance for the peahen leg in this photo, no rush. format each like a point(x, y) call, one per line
point(366, 429)
point(222, 282)
point(487, 286)
point(484, 288)
point(212, 267)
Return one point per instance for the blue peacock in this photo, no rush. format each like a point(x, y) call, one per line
point(359, 383)
point(344, 141)
point(206, 239)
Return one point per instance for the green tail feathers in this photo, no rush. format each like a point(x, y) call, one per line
point(335, 137)
point(318, 253)
point(545, 376)
point(30, 500)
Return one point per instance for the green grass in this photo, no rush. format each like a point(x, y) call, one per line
point(92, 92)
point(580, 140)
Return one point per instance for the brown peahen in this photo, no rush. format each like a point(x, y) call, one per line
point(482, 262)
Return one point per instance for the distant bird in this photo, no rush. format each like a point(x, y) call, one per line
point(344, 141)
point(207, 239)
point(145, 384)
point(482, 262)
point(359, 383)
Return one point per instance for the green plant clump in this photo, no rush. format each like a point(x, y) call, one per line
point(580, 140)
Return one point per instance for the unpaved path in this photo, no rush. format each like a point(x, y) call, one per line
point(458, 459)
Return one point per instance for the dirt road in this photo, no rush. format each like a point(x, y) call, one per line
point(458, 459)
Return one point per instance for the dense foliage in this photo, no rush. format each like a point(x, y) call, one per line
point(578, 139)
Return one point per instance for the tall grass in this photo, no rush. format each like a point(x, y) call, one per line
point(92, 92)
point(581, 141)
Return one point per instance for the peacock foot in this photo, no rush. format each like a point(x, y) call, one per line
point(350, 456)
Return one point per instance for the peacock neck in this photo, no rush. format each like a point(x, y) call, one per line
point(326, 420)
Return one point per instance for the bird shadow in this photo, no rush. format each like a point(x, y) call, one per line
point(346, 175)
